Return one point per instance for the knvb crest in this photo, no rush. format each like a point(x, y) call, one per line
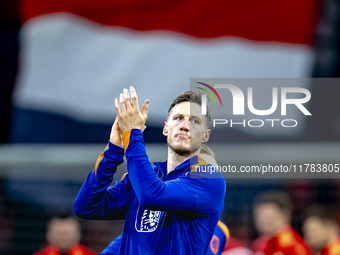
point(147, 220)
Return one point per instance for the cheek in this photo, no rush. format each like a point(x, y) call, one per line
point(315, 238)
point(171, 130)
point(197, 132)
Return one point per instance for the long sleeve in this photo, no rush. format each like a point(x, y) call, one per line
point(198, 193)
point(113, 247)
point(96, 200)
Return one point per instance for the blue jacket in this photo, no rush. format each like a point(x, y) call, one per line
point(173, 213)
point(219, 240)
point(113, 247)
point(216, 247)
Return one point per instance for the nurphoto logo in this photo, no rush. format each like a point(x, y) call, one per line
point(238, 107)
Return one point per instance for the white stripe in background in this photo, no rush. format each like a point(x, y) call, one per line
point(75, 67)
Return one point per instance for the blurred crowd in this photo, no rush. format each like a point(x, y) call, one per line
point(272, 216)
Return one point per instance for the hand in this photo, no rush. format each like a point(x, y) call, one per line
point(129, 115)
point(116, 135)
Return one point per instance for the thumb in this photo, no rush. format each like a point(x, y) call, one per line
point(115, 124)
point(145, 109)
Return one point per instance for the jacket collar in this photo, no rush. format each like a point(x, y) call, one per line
point(181, 168)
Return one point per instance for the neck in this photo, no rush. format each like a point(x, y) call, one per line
point(174, 159)
point(280, 229)
point(332, 237)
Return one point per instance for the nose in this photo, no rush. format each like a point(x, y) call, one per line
point(185, 126)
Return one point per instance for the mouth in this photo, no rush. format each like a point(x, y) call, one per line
point(182, 136)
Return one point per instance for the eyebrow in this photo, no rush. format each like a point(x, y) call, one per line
point(178, 115)
point(191, 116)
point(195, 116)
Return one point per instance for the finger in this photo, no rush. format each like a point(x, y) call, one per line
point(122, 103)
point(127, 99)
point(117, 108)
point(145, 109)
point(134, 98)
point(115, 124)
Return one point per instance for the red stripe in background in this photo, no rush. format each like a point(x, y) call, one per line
point(291, 21)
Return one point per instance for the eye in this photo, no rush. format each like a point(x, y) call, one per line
point(195, 121)
point(178, 118)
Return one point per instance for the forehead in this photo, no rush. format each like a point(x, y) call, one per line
point(312, 220)
point(186, 108)
point(57, 224)
point(267, 207)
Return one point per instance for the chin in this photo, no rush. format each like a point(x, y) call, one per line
point(181, 150)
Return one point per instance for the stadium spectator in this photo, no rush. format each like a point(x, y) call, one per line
point(272, 215)
point(235, 247)
point(168, 208)
point(220, 239)
point(63, 236)
point(260, 244)
point(321, 230)
point(227, 245)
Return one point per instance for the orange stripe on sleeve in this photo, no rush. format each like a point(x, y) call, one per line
point(225, 230)
point(122, 177)
point(201, 161)
point(126, 139)
point(101, 156)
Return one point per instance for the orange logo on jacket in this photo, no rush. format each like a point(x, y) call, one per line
point(214, 244)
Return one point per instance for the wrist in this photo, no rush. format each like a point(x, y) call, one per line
point(130, 128)
point(116, 142)
point(127, 136)
point(116, 148)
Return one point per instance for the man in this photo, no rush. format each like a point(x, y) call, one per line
point(222, 242)
point(221, 235)
point(219, 240)
point(168, 209)
point(321, 230)
point(272, 215)
point(63, 236)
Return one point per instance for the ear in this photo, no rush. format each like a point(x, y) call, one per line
point(165, 129)
point(206, 136)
